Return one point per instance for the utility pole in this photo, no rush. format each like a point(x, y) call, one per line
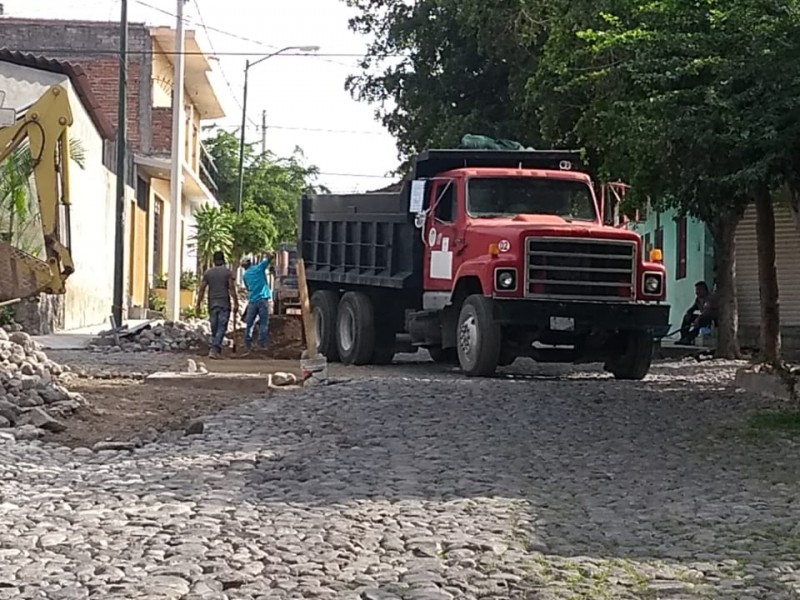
point(263, 132)
point(176, 177)
point(122, 121)
point(247, 66)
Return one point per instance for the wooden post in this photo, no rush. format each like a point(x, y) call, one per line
point(305, 307)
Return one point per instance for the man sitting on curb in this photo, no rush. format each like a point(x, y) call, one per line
point(259, 295)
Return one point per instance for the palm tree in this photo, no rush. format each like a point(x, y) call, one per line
point(17, 205)
point(213, 232)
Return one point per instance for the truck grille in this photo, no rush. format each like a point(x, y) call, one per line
point(580, 268)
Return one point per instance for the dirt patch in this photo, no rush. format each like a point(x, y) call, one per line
point(123, 409)
point(285, 340)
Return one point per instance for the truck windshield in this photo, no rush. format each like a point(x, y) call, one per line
point(511, 196)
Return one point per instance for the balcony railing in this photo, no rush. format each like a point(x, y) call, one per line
point(209, 174)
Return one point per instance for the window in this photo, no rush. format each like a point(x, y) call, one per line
point(680, 248)
point(142, 194)
point(511, 196)
point(445, 198)
point(648, 245)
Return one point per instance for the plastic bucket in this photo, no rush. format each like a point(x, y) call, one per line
point(314, 370)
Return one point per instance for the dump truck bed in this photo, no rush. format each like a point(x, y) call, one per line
point(361, 239)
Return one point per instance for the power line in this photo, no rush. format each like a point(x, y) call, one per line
point(358, 175)
point(227, 33)
point(211, 45)
point(81, 51)
point(311, 129)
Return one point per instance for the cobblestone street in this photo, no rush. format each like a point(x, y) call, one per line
point(415, 483)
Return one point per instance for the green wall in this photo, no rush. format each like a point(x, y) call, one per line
point(699, 258)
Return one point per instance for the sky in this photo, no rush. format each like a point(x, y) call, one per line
point(304, 96)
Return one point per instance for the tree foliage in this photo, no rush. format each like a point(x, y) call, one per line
point(19, 211)
point(272, 188)
point(460, 70)
point(213, 233)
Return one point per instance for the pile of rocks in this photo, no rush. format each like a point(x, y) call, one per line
point(11, 327)
point(33, 396)
point(156, 336)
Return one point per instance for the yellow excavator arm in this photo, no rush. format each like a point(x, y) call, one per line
point(46, 125)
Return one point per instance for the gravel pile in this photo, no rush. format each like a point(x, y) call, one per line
point(33, 396)
point(157, 336)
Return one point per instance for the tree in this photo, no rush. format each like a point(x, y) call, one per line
point(675, 100)
point(253, 231)
point(19, 210)
point(213, 232)
point(273, 186)
point(461, 70)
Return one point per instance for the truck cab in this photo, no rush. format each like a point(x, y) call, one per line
point(510, 258)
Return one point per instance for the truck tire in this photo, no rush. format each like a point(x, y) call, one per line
point(634, 362)
point(443, 356)
point(355, 329)
point(478, 337)
point(385, 344)
point(324, 305)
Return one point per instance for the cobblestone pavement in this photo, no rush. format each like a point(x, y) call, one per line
point(423, 488)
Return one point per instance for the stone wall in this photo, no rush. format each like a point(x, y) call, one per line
point(41, 315)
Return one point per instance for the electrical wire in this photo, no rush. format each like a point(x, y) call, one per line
point(358, 175)
point(211, 46)
point(309, 129)
point(227, 33)
point(82, 51)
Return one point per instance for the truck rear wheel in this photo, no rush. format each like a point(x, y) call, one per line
point(443, 356)
point(478, 337)
point(324, 304)
point(355, 329)
point(635, 358)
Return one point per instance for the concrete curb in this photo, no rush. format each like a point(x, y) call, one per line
point(767, 384)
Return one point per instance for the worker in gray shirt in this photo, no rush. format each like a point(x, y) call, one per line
point(222, 299)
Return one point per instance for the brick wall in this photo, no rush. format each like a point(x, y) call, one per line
point(162, 131)
point(91, 45)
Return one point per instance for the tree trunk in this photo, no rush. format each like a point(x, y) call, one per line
point(723, 229)
point(768, 278)
point(793, 182)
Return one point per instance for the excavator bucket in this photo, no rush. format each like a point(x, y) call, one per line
point(21, 274)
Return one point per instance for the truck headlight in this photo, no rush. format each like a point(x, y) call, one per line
point(505, 280)
point(653, 284)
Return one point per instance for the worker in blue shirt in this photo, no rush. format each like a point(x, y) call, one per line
point(259, 295)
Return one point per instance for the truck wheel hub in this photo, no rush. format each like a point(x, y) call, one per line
point(318, 327)
point(468, 335)
point(346, 330)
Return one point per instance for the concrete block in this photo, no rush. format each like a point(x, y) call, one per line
point(241, 383)
point(769, 385)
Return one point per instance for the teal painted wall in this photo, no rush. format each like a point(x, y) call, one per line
point(699, 258)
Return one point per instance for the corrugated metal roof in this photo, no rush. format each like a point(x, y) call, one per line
point(77, 76)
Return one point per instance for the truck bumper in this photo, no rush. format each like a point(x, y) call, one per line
point(587, 316)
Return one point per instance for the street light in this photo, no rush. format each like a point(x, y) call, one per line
point(247, 67)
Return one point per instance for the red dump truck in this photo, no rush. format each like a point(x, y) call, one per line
point(482, 257)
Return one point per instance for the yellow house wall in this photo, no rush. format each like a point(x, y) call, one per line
point(137, 257)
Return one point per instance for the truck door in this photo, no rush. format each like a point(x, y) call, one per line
point(441, 236)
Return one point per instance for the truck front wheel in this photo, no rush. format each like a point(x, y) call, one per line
point(478, 337)
point(355, 329)
point(635, 358)
point(323, 309)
